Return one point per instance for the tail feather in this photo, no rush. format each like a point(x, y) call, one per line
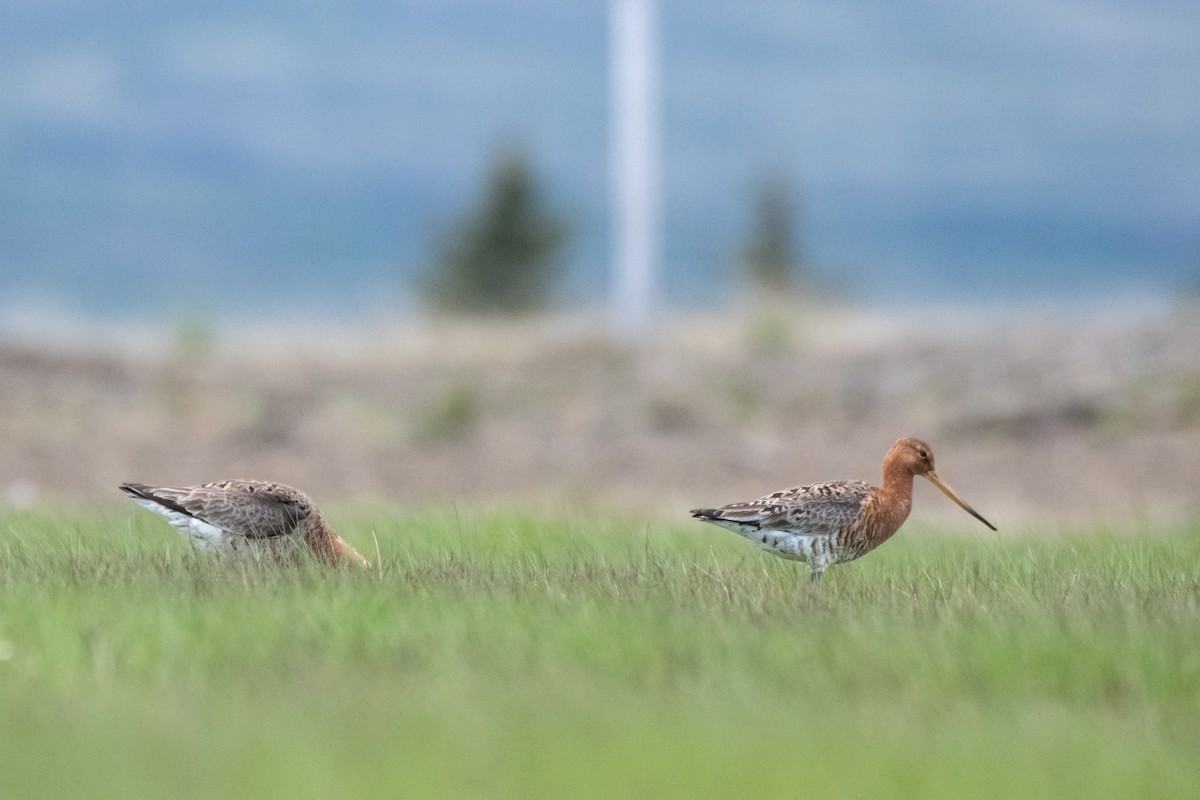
point(142, 492)
point(199, 532)
point(718, 516)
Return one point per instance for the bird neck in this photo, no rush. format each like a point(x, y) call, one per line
point(323, 541)
point(897, 490)
point(330, 547)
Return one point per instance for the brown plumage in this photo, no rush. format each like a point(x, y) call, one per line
point(828, 523)
point(240, 518)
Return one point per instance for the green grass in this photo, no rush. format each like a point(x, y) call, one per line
point(496, 655)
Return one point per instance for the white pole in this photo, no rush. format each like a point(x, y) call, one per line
point(634, 157)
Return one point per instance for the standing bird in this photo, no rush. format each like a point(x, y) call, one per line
point(828, 523)
point(247, 519)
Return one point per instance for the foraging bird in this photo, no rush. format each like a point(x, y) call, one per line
point(239, 519)
point(829, 523)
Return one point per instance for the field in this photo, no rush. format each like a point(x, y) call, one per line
point(1032, 419)
point(495, 654)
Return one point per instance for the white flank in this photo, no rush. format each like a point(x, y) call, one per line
point(203, 535)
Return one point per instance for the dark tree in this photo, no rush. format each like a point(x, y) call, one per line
point(503, 257)
point(771, 257)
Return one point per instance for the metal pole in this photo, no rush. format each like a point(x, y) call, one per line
point(635, 163)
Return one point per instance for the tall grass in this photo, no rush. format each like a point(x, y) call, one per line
point(499, 655)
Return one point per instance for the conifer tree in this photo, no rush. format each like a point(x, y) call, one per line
point(503, 257)
point(771, 260)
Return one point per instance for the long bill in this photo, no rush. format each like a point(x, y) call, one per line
point(936, 481)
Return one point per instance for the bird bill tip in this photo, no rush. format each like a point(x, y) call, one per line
point(938, 482)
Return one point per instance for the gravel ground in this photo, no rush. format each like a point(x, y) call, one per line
point(1035, 418)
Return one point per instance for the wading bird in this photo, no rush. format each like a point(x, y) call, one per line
point(829, 523)
point(247, 520)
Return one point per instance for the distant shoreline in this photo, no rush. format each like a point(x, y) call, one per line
point(58, 327)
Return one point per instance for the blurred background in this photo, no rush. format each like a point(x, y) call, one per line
point(371, 250)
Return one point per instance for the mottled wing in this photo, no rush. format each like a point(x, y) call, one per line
point(241, 508)
point(817, 509)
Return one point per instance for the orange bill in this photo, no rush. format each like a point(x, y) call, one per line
point(936, 481)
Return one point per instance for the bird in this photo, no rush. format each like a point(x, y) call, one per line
point(247, 520)
point(839, 521)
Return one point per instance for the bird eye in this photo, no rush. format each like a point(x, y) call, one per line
point(923, 453)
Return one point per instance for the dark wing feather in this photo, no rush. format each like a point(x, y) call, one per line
point(241, 508)
point(818, 509)
point(141, 491)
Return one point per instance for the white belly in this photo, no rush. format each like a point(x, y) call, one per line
point(792, 545)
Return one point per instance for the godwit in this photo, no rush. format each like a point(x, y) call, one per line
point(828, 523)
point(246, 518)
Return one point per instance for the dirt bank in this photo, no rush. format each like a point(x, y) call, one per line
point(1071, 420)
